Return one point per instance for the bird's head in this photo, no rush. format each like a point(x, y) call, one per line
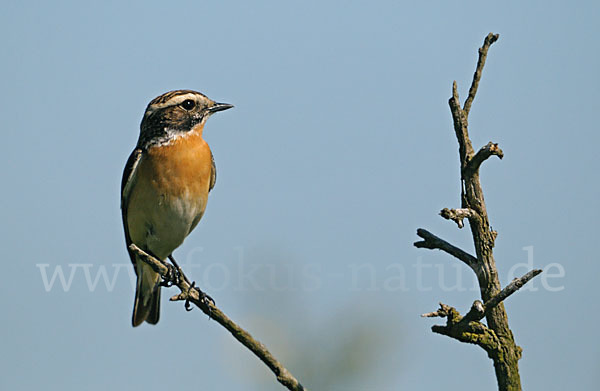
point(174, 114)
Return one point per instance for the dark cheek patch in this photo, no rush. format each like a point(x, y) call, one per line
point(154, 127)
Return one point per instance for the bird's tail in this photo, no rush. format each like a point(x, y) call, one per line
point(147, 295)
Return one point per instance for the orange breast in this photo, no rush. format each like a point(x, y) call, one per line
point(182, 168)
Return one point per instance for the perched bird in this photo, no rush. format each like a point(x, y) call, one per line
point(165, 186)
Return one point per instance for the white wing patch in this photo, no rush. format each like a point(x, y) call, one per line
point(130, 179)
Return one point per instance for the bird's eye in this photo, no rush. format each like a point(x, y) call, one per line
point(188, 104)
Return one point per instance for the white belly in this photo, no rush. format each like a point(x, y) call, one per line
point(160, 224)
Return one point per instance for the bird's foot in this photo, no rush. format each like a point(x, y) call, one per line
point(172, 277)
point(204, 298)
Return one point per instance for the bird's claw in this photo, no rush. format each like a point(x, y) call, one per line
point(172, 276)
point(204, 298)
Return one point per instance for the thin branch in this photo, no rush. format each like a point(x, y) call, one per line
point(489, 40)
point(433, 242)
point(459, 119)
point(442, 312)
point(511, 288)
point(457, 215)
point(435, 314)
point(189, 293)
point(158, 266)
point(479, 310)
point(490, 149)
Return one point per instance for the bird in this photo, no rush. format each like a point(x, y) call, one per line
point(165, 187)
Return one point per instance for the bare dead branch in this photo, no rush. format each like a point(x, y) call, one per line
point(473, 332)
point(442, 312)
point(490, 149)
point(479, 310)
point(435, 314)
point(158, 266)
point(457, 215)
point(496, 338)
point(459, 119)
point(511, 288)
point(188, 293)
point(467, 328)
point(433, 242)
point(489, 40)
point(462, 330)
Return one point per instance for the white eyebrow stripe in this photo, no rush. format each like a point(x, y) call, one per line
point(174, 101)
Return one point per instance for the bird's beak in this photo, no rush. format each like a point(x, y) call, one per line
point(219, 107)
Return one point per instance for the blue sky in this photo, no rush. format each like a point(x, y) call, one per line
point(340, 146)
